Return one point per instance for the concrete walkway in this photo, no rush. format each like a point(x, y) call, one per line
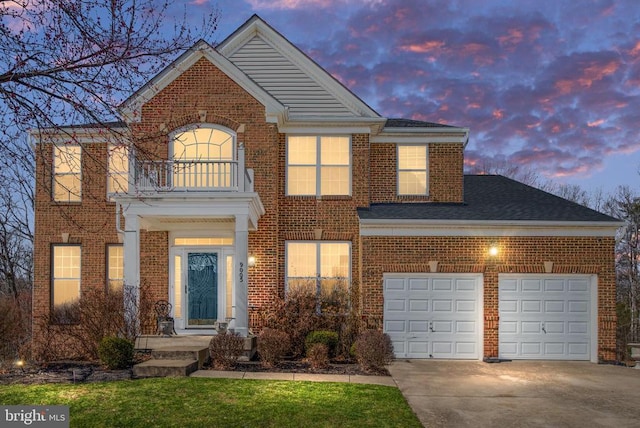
point(519, 393)
point(372, 380)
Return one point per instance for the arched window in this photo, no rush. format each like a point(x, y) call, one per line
point(204, 157)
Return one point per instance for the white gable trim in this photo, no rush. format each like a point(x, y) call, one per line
point(131, 109)
point(255, 26)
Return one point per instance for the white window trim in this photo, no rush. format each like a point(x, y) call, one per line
point(398, 170)
point(318, 166)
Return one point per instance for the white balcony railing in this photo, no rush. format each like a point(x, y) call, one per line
point(197, 175)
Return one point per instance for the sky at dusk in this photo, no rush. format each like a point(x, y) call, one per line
point(549, 84)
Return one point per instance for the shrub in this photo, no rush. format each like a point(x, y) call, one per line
point(225, 349)
point(318, 356)
point(116, 352)
point(75, 332)
point(373, 350)
point(325, 337)
point(298, 314)
point(272, 346)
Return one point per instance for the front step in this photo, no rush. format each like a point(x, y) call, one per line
point(198, 353)
point(165, 368)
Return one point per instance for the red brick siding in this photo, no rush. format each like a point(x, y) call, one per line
point(445, 174)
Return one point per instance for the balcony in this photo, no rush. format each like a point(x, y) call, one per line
point(158, 176)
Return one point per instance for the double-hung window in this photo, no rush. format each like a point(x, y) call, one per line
point(412, 170)
point(321, 268)
point(118, 171)
point(318, 165)
point(65, 283)
point(67, 176)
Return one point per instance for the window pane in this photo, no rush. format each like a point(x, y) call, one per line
point(412, 183)
point(301, 259)
point(67, 159)
point(118, 174)
point(66, 188)
point(301, 180)
point(301, 150)
point(65, 291)
point(412, 157)
point(334, 150)
point(335, 180)
point(115, 267)
point(334, 260)
point(177, 281)
point(301, 286)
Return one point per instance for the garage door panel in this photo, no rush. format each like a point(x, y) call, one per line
point(396, 305)
point(552, 285)
point(442, 284)
point(392, 326)
point(466, 305)
point(442, 326)
point(394, 284)
point(577, 349)
point(466, 327)
point(442, 305)
point(508, 326)
point(509, 306)
point(554, 306)
point(554, 348)
point(531, 348)
point(577, 327)
point(465, 284)
point(531, 285)
point(530, 306)
point(439, 316)
point(578, 306)
point(418, 326)
point(418, 305)
point(555, 327)
point(418, 284)
point(581, 285)
point(531, 327)
point(549, 322)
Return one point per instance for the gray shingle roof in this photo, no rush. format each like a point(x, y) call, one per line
point(490, 198)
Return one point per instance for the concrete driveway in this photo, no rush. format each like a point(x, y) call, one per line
point(519, 393)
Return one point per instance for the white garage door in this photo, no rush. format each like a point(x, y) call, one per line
point(433, 315)
point(545, 317)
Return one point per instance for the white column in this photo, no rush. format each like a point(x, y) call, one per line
point(241, 314)
point(131, 253)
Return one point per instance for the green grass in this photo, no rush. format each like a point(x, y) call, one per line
point(197, 402)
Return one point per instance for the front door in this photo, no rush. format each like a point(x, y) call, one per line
point(202, 289)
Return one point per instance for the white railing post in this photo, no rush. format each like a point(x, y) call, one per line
point(240, 173)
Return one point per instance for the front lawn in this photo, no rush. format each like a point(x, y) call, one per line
point(197, 402)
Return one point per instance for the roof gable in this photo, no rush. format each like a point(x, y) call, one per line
point(131, 108)
point(294, 79)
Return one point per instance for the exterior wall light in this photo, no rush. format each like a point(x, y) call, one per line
point(251, 261)
point(493, 250)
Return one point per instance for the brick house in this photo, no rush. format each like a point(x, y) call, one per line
point(255, 171)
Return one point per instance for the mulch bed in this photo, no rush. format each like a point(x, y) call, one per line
point(80, 372)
